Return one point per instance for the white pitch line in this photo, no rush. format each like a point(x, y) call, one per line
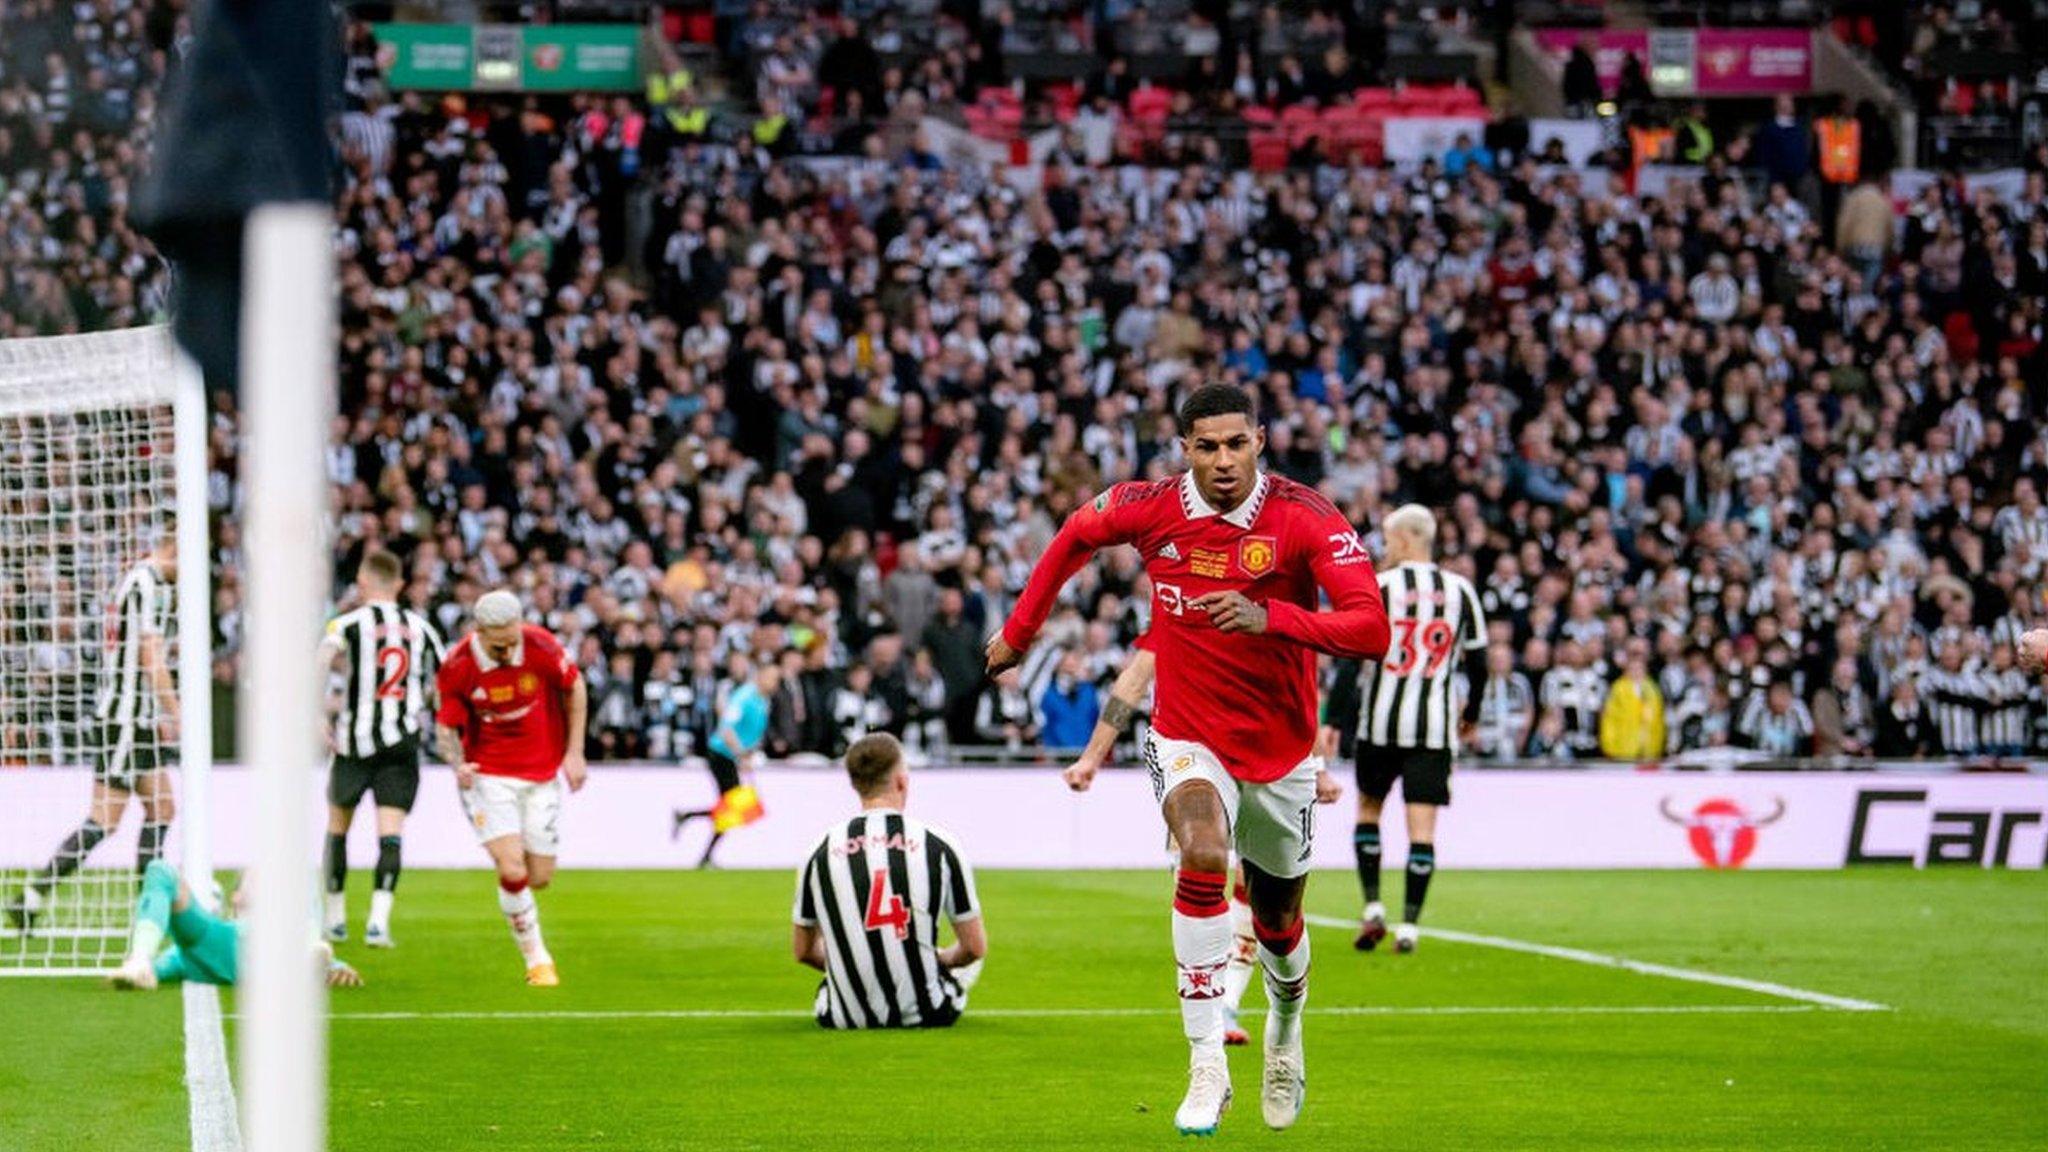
point(1602, 960)
point(1055, 1013)
point(216, 1123)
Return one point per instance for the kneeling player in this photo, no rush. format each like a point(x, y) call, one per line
point(204, 948)
point(513, 707)
point(868, 904)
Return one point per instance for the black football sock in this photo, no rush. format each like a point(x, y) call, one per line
point(387, 863)
point(1421, 866)
point(151, 845)
point(1365, 845)
point(70, 855)
point(337, 861)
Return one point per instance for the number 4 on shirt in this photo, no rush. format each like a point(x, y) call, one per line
point(885, 908)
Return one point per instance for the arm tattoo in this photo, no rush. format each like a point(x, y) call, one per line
point(448, 744)
point(1119, 714)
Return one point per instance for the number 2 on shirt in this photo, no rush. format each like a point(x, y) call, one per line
point(392, 665)
point(1436, 643)
point(885, 908)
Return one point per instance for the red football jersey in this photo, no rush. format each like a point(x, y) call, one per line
point(1250, 698)
point(512, 716)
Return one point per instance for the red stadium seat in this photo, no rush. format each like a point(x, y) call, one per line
point(1300, 123)
point(1151, 105)
point(1345, 132)
point(1066, 101)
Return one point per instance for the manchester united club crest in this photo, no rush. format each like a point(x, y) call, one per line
point(528, 684)
point(1256, 555)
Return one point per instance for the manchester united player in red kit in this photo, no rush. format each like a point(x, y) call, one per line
point(1237, 558)
point(513, 707)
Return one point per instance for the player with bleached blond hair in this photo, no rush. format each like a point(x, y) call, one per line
point(1405, 713)
point(513, 707)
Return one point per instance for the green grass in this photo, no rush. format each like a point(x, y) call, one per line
point(1961, 1063)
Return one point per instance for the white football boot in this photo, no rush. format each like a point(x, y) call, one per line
point(1201, 1110)
point(1285, 1085)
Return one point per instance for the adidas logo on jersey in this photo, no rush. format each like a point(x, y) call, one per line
point(1169, 552)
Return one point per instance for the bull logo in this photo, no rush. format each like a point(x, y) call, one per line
point(1722, 832)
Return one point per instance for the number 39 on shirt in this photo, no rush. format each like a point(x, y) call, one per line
point(1436, 638)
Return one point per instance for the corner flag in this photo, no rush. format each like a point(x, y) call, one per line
point(247, 125)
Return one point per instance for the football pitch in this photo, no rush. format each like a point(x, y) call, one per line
point(1847, 1010)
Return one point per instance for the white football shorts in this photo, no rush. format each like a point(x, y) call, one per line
point(508, 806)
point(1273, 825)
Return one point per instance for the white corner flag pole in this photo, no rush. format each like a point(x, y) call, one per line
point(195, 634)
point(288, 395)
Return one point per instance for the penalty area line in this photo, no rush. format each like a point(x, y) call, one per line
point(216, 1124)
point(1057, 1013)
point(1641, 967)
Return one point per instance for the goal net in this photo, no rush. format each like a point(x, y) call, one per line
point(88, 640)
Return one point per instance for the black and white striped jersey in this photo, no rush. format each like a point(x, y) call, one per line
point(138, 616)
point(389, 659)
point(876, 888)
point(1955, 701)
point(1578, 694)
point(1507, 713)
point(1408, 699)
point(1787, 733)
point(2007, 721)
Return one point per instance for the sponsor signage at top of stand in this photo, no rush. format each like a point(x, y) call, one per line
point(510, 57)
point(1703, 62)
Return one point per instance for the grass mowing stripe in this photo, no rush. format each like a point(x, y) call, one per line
point(216, 1125)
point(1602, 960)
point(1054, 1013)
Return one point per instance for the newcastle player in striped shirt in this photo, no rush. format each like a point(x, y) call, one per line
point(1409, 721)
point(136, 716)
point(389, 655)
point(869, 900)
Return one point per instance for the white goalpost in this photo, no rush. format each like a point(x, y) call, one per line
point(105, 718)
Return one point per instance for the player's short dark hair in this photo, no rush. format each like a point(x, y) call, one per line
point(1216, 400)
point(871, 761)
point(383, 566)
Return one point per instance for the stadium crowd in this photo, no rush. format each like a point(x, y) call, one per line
point(1724, 476)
